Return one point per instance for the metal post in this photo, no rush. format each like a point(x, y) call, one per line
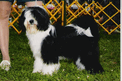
point(64, 12)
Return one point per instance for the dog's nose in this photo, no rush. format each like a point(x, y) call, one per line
point(31, 21)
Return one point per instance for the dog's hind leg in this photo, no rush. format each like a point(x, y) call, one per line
point(89, 63)
point(80, 66)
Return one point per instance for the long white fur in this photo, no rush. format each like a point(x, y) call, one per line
point(50, 68)
point(79, 64)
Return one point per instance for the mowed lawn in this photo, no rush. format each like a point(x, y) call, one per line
point(22, 62)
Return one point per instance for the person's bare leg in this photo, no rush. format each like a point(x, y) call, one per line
point(32, 3)
point(5, 9)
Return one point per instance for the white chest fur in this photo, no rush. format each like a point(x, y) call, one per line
point(35, 41)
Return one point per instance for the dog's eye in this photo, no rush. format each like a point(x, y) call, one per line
point(31, 21)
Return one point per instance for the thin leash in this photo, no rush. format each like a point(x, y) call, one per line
point(35, 2)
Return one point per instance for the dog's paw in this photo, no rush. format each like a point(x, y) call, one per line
point(80, 66)
point(38, 64)
point(49, 69)
point(5, 65)
point(36, 71)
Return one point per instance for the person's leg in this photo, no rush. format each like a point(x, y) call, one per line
point(5, 9)
point(32, 3)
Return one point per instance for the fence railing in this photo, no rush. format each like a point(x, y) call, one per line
point(75, 9)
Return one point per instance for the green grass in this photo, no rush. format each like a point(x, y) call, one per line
point(22, 62)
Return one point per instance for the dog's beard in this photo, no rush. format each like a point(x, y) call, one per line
point(31, 28)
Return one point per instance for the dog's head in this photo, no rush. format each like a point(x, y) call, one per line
point(34, 19)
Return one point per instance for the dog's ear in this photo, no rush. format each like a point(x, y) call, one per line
point(42, 18)
point(21, 21)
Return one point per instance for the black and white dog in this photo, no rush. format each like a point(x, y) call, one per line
point(78, 41)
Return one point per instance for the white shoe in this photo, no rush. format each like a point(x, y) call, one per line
point(5, 64)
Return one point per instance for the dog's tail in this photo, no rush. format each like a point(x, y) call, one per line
point(86, 22)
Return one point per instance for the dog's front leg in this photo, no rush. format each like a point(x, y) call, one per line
point(38, 64)
point(50, 68)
